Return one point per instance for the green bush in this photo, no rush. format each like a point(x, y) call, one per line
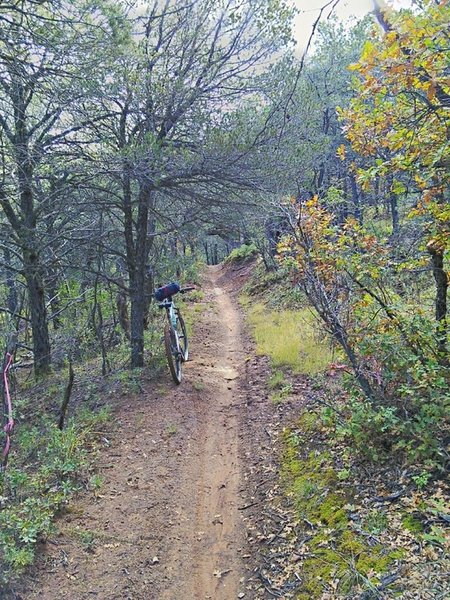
point(412, 416)
point(242, 253)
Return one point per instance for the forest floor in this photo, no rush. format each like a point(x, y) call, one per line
point(181, 473)
point(193, 499)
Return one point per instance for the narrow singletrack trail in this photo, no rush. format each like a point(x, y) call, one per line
point(165, 524)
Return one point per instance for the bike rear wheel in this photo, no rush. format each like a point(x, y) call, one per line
point(183, 338)
point(173, 353)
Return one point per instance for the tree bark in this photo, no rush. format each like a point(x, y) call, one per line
point(12, 301)
point(393, 206)
point(38, 312)
point(393, 203)
point(137, 299)
point(441, 279)
point(143, 242)
point(25, 226)
point(356, 197)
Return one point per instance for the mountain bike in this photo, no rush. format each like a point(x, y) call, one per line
point(176, 341)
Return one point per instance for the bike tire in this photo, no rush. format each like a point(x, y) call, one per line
point(183, 338)
point(172, 354)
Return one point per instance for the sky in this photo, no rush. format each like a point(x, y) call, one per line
point(309, 11)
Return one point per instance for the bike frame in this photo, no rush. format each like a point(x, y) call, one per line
point(171, 311)
point(172, 316)
point(175, 336)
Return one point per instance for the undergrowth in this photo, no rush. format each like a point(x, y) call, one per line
point(288, 337)
point(339, 557)
point(356, 544)
point(283, 324)
point(339, 463)
point(284, 329)
point(47, 467)
point(241, 253)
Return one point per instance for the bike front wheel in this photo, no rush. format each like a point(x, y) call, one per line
point(173, 353)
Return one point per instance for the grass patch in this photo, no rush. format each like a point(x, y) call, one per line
point(288, 337)
point(280, 388)
point(198, 386)
point(171, 429)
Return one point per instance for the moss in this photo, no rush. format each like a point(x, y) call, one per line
point(308, 422)
point(375, 561)
point(294, 468)
point(412, 524)
point(331, 510)
point(291, 466)
point(347, 558)
point(326, 564)
point(336, 550)
point(351, 543)
point(304, 490)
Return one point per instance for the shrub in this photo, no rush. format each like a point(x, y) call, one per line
point(33, 493)
point(244, 252)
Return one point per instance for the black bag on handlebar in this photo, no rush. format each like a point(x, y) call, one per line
point(167, 290)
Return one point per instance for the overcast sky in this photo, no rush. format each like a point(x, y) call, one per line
point(309, 11)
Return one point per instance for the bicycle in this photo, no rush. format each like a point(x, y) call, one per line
point(176, 341)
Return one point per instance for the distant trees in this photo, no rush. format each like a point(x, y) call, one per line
point(177, 139)
point(305, 157)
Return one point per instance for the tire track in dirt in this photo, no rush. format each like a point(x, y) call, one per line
point(166, 524)
point(218, 496)
point(213, 476)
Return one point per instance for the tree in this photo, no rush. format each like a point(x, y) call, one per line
point(177, 135)
point(368, 291)
point(45, 49)
point(400, 116)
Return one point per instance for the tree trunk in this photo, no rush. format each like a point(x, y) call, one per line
point(137, 298)
point(38, 313)
point(144, 240)
point(339, 334)
point(392, 205)
point(441, 279)
point(364, 384)
point(205, 245)
point(26, 226)
point(122, 310)
point(394, 213)
point(12, 301)
point(377, 196)
point(356, 197)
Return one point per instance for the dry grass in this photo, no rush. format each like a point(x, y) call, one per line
point(290, 338)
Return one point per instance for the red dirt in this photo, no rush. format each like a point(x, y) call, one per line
point(166, 523)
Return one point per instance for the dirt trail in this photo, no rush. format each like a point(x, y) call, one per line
point(166, 523)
